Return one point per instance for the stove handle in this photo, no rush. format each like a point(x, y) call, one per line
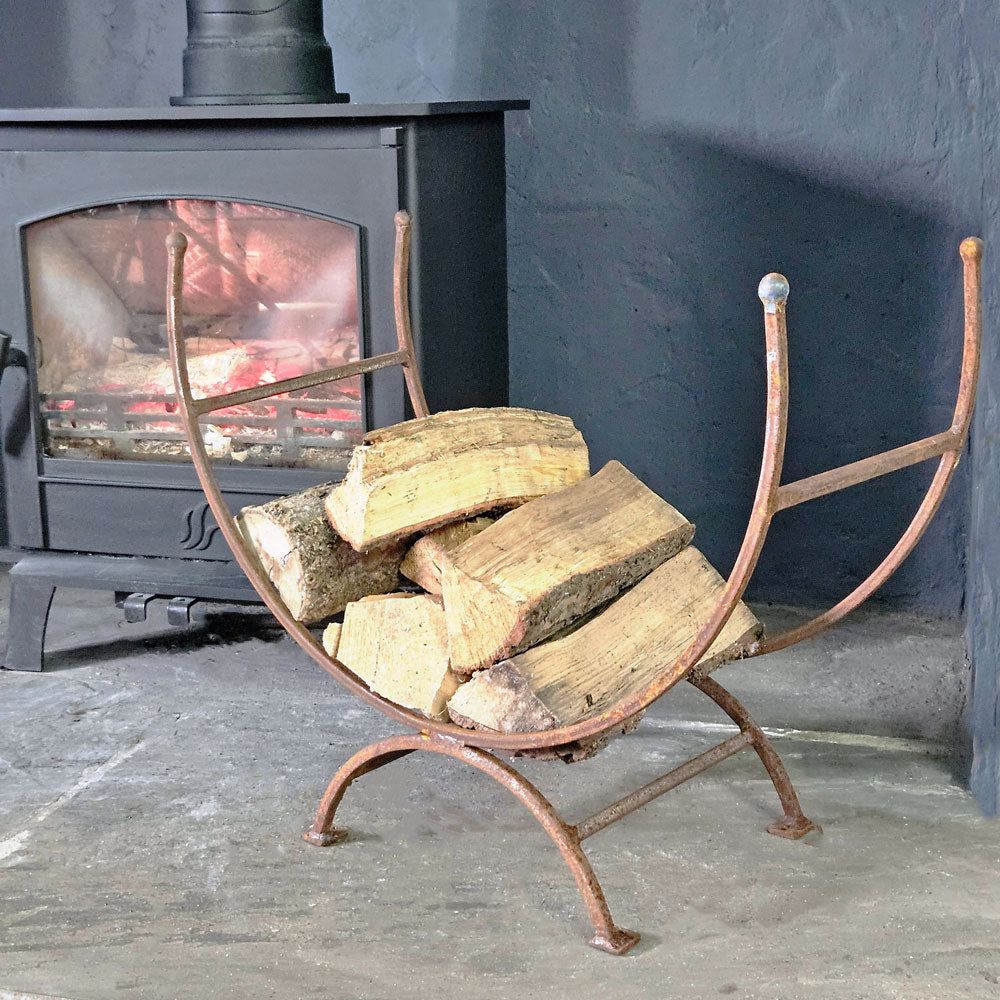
point(4, 348)
point(10, 357)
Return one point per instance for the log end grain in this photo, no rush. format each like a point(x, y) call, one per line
point(501, 700)
point(315, 572)
point(422, 563)
point(398, 645)
point(331, 639)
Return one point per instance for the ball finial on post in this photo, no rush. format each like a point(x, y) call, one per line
point(971, 248)
point(773, 291)
point(177, 242)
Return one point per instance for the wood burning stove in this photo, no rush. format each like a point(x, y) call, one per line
point(288, 210)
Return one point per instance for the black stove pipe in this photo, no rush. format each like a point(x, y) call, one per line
point(257, 52)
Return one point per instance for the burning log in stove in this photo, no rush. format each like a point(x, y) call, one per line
point(77, 315)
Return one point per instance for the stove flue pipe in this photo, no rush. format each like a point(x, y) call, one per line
point(257, 52)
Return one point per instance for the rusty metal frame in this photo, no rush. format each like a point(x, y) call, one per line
point(473, 747)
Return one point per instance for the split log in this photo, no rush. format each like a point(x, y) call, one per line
point(398, 645)
point(614, 656)
point(331, 638)
point(422, 564)
point(423, 473)
point(316, 572)
point(552, 560)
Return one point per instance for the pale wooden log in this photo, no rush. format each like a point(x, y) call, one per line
point(613, 656)
point(331, 638)
point(398, 645)
point(422, 564)
point(315, 571)
point(552, 560)
point(424, 473)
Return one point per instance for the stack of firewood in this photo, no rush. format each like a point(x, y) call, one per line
point(543, 595)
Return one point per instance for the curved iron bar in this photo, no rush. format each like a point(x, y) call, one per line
point(949, 445)
point(401, 310)
point(773, 292)
point(608, 936)
point(793, 825)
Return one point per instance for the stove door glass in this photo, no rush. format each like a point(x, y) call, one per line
point(268, 294)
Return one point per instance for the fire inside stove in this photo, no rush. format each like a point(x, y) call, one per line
point(268, 294)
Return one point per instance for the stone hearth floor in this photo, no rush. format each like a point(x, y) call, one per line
point(154, 783)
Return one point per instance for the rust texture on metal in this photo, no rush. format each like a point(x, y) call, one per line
point(401, 311)
point(470, 746)
point(834, 480)
point(793, 825)
point(665, 783)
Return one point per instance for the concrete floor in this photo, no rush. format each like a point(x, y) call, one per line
point(154, 783)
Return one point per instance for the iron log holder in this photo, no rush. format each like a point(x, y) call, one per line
point(480, 749)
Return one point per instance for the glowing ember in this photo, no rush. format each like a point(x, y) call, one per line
point(214, 374)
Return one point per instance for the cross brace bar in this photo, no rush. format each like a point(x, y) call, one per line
point(641, 796)
point(208, 404)
point(885, 462)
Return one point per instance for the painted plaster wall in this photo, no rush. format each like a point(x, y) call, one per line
point(676, 151)
point(983, 580)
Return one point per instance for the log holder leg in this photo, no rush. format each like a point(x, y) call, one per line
point(608, 936)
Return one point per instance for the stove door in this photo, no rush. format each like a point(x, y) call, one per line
point(93, 455)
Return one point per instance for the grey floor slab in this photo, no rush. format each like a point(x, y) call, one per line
point(154, 783)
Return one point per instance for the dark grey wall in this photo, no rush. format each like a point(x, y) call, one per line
point(673, 154)
point(983, 579)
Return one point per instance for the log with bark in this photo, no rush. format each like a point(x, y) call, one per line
point(315, 571)
point(422, 564)
point(613, 656)
point(427, 472)
point(398, 645)
point(552, 560)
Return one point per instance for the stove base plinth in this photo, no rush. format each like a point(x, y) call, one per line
point(35, 576)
